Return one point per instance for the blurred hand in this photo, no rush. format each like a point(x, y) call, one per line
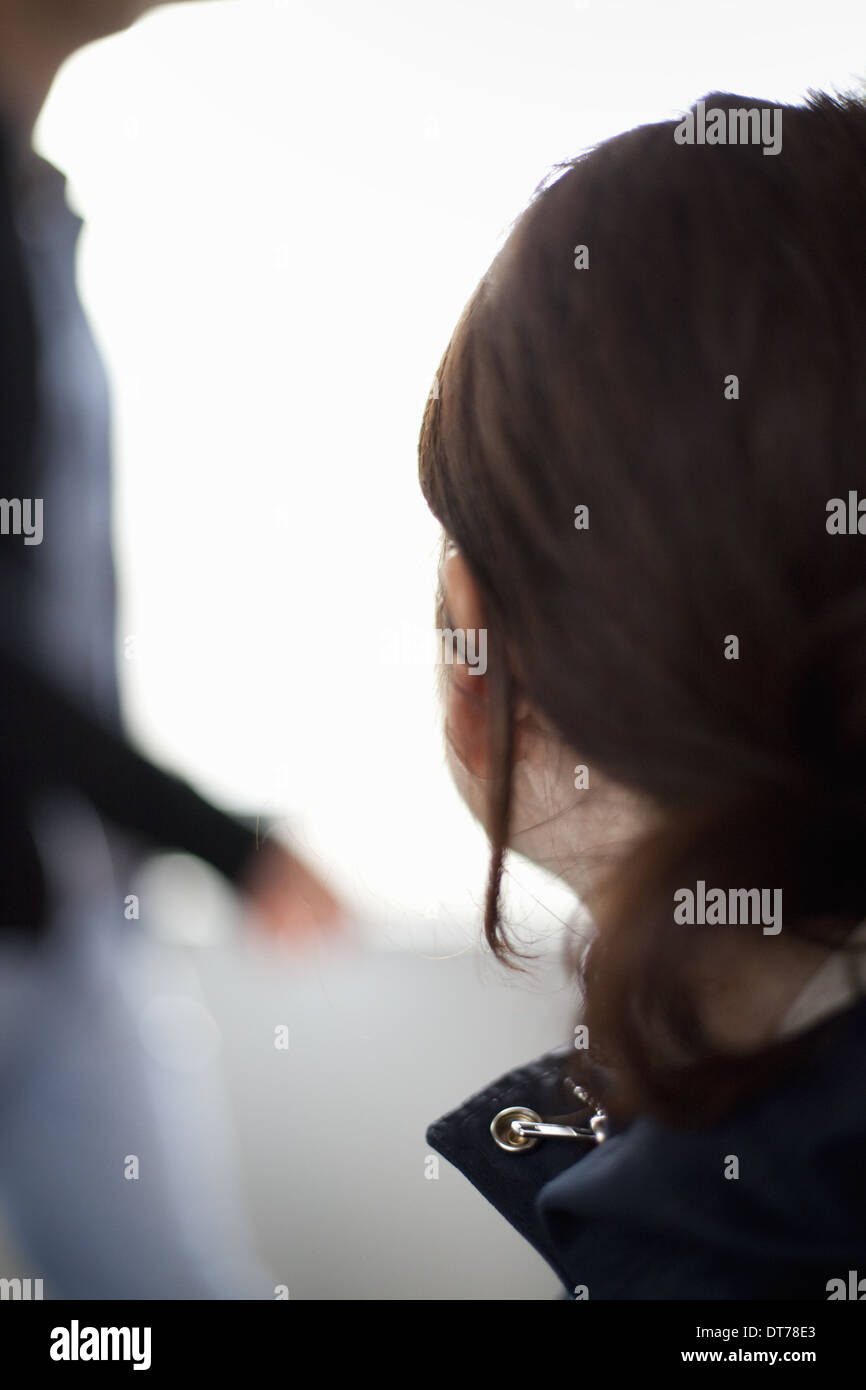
point(287, 897)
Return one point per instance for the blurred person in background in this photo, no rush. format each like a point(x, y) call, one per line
point(645, 451)
point(80, 1095)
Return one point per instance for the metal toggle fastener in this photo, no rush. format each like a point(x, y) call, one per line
point(517, 1129)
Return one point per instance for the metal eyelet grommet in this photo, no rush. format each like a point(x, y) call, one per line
point(506, 1132)
point(600, 1126)
point(518, 1129)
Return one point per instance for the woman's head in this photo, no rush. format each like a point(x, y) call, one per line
point(643, 414)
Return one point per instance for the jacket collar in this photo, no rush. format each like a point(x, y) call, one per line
point(610, 1214)
point(512, 1181)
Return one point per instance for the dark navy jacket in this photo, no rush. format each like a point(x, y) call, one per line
point(649, 1213)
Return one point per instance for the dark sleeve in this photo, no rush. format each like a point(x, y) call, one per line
point(18, 354)
point(46, 740)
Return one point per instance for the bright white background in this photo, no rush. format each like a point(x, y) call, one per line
point(287, 204)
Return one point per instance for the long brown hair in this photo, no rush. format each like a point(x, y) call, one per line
point(699, 384)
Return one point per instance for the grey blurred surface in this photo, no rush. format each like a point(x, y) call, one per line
point(332, 1130)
